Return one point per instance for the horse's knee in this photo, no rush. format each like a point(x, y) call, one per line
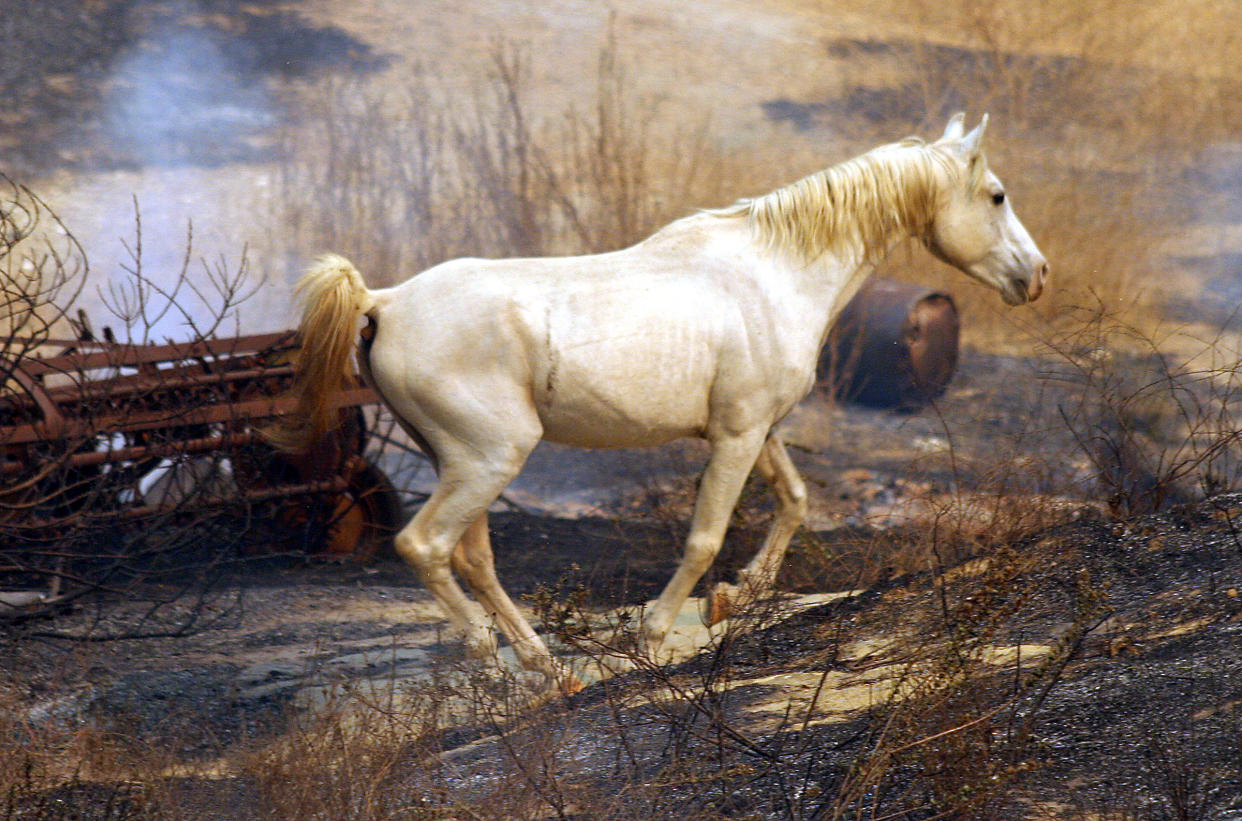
point(430, 559)
point(404, 546)
point(797, 502)
point(410, 549)
point(700, 553)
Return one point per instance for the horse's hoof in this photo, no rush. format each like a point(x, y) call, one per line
point(721, 603)
point(569, 684)
point(481, 648)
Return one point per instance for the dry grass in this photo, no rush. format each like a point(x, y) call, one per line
point(400, 184)
point(1096, 127)
point(1092, 136)
point(50, 762)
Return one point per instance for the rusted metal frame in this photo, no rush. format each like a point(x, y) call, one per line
point(334, 484)
point(102, 344)
point(186, 368)
point(54, 424)
point(130, 355)
point(139, 452)
point(188, 376)
point(13, 499)
point(53, 420)
point(244, 410)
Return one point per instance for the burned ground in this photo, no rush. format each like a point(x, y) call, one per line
point(1103, 660)
point(1142, 719)
point(100, 85)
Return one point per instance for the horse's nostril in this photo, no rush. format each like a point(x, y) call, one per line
point(1036, 286)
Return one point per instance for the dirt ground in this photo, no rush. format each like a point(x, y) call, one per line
point(1144, 717)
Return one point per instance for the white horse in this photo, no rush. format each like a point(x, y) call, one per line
point(711, 327)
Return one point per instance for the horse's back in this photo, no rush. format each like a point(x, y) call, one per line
point(606, 350)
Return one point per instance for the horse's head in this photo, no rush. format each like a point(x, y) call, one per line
point(975, 229)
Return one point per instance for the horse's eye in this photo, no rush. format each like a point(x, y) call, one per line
point(997, 199)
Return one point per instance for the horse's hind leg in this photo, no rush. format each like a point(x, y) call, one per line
point(473, 560)
point(759, 576)
point(469, 481)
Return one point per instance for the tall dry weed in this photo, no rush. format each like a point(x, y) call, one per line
point(400, 184)
point(1094, 134)
point(1093, 140)
point(363, 754)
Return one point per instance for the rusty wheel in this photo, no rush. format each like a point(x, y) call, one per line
point(365, 518)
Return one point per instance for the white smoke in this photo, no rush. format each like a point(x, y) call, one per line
point(181, 124)
point(174, 97)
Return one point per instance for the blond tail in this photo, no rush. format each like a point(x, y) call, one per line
point(333, 298)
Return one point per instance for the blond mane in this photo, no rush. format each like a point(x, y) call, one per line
point(859, 205)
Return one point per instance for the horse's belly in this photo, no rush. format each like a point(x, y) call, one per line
point(621, 369)
point(572, 429)
point(622, 410)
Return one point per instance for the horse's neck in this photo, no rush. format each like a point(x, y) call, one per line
point(864, 230)
point(832, 283)
point(852, 280)
point(835, 277)
point(824, 285)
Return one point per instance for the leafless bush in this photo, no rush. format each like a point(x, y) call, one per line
point(1093, 138)
point(42, 271)
point(1158, 421)
point(399, 184)
point(119, 455)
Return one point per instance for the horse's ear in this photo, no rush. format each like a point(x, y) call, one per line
point(956, 127)
point(972, 143)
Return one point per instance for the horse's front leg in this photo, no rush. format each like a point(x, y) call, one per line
point(730, 463)
point(759, 576)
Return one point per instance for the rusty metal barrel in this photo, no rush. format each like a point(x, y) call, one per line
point(894, 346)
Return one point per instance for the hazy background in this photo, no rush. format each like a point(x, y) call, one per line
point(404, 133)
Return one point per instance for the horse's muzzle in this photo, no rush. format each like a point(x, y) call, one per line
point(1036, 286)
